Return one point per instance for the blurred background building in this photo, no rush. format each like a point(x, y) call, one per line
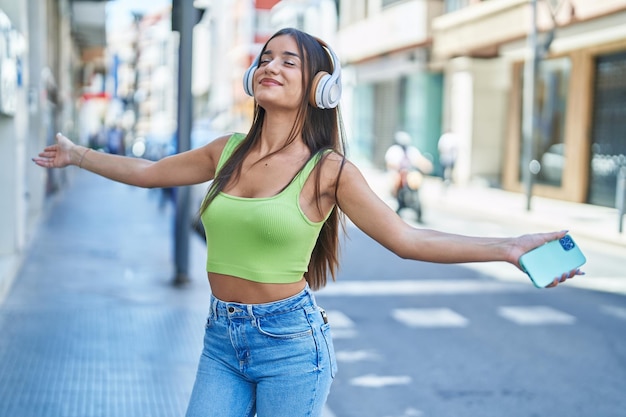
point(422, 66)
point(429, 66)
point(47, 60)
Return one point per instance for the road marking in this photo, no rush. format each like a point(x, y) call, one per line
point(341, 326)
point(616, 285)
point(343, 333)
point(338, 319)
point(392, 287)
point(507, 273)
point(375, 381)
point(356, 355)
point(619, 312)
point(429, 317)
point(412, 412)
point(535, 315)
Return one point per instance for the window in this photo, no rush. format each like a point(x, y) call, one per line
point(608, 138)
point(552, 82)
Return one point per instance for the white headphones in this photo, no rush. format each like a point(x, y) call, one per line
point(325, 87)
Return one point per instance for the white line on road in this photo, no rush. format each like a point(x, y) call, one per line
point(339, 319)
point(341, 325)
point(429, 317)
point(616, 285)
point(536, 315)
point(375, 381)
point(448, 287)
point(356, 355)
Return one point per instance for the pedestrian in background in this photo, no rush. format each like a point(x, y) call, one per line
point(116, 143)
point(271, 218)
point(448, 148)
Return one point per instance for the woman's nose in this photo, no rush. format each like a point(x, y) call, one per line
point(271, 66)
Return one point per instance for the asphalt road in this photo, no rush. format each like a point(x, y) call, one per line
point(420, 339)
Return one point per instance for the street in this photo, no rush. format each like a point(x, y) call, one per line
point(434, 340)
point(93, 327)
point(487, 118)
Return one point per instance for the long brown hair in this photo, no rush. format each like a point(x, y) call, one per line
point(321, 130)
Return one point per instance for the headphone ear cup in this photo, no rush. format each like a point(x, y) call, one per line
point(325, 90)
point(320, 79)
point(248, 79)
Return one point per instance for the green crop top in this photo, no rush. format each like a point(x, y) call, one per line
point(266, 240)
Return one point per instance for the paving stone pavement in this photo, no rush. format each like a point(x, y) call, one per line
point(93, 326)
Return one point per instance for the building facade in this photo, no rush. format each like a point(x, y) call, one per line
point(389, 85)
point(579, 107)
point(49, 52)
point(430, 66)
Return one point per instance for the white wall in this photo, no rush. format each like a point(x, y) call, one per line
point(476, 108)
point(13, 137)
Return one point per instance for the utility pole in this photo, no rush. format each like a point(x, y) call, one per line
point(528, 111)
point(183, 20)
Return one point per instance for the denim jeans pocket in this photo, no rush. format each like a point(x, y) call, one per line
point(287, 325)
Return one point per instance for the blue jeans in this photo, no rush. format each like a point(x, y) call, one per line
point(275, 360)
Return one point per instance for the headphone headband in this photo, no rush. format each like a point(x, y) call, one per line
point(325, 87)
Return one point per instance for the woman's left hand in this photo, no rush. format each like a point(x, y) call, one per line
point(529, 242)
point(565, 277)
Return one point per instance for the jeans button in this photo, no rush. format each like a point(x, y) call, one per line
point(231, 309)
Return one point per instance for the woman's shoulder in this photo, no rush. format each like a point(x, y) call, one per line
point(232, 138)
point(218, 144)
point(336, 161)
point(214, 149)
point(336, 165)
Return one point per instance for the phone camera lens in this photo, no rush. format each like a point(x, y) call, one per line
point(567, 243)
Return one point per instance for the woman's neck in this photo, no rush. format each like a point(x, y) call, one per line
point(276, 134)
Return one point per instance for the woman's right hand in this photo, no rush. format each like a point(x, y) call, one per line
point(59, 155)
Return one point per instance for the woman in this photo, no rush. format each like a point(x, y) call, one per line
point(271, 219)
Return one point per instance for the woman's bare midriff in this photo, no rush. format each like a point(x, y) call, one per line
point(237, 290)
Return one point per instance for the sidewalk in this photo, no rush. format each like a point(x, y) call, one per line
point(92, 325)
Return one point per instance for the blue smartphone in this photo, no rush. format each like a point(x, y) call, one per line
point(551, 260)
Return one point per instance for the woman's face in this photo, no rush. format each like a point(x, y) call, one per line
point(278, 78)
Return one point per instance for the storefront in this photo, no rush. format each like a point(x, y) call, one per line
point(387, 101)
point(580, 125)
point(579, 110)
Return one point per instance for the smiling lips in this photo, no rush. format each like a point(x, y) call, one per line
point(269, 82)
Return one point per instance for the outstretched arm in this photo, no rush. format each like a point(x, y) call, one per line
point(379, 221)
point(191, 167)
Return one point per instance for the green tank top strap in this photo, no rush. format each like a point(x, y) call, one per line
point(304, 173)
point(232, 143)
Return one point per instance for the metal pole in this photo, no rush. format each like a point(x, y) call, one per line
point(528, 112)
point(186, 15)
point(620, 197)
